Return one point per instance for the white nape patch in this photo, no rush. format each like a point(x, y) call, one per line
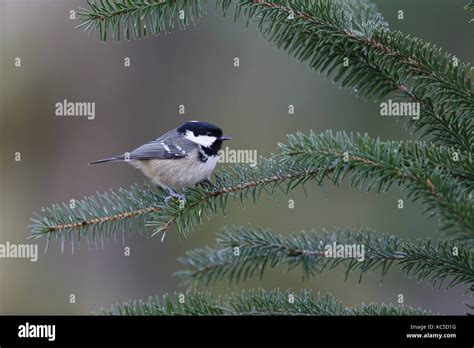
point(203, 140)
point(166, 147)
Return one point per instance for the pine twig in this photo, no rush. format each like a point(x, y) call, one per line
point(245, 252)
point(100, 218)
point(253, 302)
point(325, 32)
point(138, 18)
point(426, 172)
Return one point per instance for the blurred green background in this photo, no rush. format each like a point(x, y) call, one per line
point(133, 105)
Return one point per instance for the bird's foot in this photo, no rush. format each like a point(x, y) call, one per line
point(181, 198)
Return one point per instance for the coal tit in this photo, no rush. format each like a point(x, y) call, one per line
point(180, 158)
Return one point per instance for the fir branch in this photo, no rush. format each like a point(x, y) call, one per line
point(325, 32)
point(244, 252)
point(427, 180)
point(99, 218)
point(411, 153)
point(138, 18)
point(254, 302)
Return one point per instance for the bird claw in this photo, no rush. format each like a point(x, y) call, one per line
point(181, 199)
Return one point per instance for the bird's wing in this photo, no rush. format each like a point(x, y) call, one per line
point(168, 146)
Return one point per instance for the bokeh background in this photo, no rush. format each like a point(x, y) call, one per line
point(133, 105)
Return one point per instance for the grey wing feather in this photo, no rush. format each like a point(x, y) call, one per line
point(169, 146)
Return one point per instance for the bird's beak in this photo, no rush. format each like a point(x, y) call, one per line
point(225, 137)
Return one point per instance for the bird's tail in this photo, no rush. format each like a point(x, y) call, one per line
point(111, 159)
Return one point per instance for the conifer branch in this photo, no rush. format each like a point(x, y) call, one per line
point(448, 160)
point(244, 252)
point(422, 170)
point(101, 218)
point(138, 18)
point(325, 32)
point(254, 302)
point(98, 218)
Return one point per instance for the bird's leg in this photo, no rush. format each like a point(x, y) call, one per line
point(174, 194)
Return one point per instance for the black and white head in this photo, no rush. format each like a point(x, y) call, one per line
point(206, 135)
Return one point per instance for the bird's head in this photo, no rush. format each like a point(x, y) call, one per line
point(208, 136)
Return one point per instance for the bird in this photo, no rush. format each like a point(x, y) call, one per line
point(182, 157)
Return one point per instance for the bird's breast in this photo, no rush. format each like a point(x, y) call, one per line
point(179, 173)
